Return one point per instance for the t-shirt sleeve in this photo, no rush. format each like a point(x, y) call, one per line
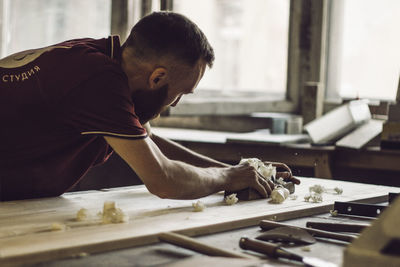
point(102, 105)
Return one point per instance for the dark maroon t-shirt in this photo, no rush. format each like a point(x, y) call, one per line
point(56, 103)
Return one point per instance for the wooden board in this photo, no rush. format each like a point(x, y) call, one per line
point(362, 135)
point(21, 221)
point(259, 136)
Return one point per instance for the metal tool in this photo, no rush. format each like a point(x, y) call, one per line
point(358, 209)
point(268, 225)
point(276, 251)
point(287, 235)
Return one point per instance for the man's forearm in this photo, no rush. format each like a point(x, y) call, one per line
point(175, 151)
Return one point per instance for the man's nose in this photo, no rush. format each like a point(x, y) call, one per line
point(176, 101)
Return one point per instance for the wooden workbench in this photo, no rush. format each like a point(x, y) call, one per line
point(25, 226)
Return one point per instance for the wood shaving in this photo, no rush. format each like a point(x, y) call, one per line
point(231, 199)
point(268, 171)
point(256, 163)
point(306, 248)
point(112, 214)
point(198, 206)
point(58, 227)
point(338, 190)
point(279, 194)
point(280, 181)
point(82, 215)
point(333, 213)
point(319, 189)
point(313, 197)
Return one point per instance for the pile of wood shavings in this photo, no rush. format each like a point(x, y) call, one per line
point(268, 171)
point(316, 192)
point(313, 197)
point(110, 214)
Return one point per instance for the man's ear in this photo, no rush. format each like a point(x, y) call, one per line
point(158, 77)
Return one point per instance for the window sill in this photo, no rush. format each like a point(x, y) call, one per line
point(231, 103)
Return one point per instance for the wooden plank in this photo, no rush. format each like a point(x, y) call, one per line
point(362, 135)
point(338, 122)
point(149, 216)
point(260, 136)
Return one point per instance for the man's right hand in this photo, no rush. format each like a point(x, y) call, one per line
point(244, 176)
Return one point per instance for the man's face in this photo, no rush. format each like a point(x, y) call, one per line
point(150, 103)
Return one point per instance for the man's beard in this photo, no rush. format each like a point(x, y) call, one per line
point(149, 103)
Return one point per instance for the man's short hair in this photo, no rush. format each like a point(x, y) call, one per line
point(169, 34)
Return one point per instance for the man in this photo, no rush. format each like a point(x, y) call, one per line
point(66, 107)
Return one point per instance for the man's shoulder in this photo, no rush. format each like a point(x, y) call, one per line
point(87, 52)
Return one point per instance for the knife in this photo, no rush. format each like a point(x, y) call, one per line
point(276, 251)
point(267, 225)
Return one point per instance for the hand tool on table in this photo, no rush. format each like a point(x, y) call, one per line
point(287, 235)
point(268, 225)
point(194, 245)
point(370, 211)
point(251, 194)
point(337, 227)
point(276, 251)
point(358, 209)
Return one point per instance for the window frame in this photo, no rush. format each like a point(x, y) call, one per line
point(308, 25)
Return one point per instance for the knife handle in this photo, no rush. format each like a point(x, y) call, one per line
point(258, 246)
point(337, 227)
point(194, 245)
point(268, 248)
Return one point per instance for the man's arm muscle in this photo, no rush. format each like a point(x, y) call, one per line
point(175, 179)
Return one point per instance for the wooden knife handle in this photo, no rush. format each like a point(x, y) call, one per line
point(194, 245)
point(258, 246)
point(337, 227)
point(268, 225)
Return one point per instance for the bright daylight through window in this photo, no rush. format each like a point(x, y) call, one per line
point(365, 49)
point(250, 39)
point(33, 24)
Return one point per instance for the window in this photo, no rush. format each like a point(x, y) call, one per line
point(250, 39)
point(38, 23)
point(364, 44)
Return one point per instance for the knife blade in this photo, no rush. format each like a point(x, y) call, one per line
point(276, 251)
